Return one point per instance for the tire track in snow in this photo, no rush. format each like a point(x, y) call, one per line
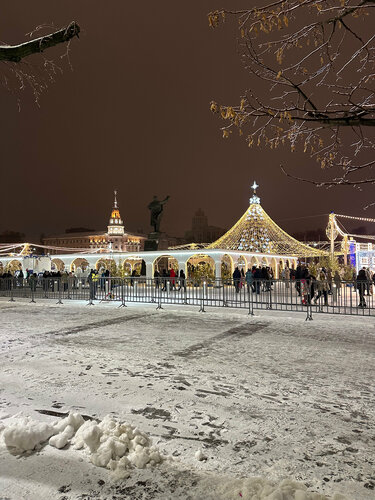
point(92, 326)
point(239, 331)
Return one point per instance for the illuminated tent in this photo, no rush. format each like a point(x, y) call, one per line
point(257, 232)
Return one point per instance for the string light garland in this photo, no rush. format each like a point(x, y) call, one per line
point(363, 219)
point(256, 232)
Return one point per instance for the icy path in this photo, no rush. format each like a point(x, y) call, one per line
point(267, 396)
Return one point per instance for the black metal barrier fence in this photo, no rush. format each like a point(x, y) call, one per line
point(310, 296)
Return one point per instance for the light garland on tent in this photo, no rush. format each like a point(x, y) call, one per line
point(26, 247)
point(257, 232)
point(363, 219)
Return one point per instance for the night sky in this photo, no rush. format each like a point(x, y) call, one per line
point(134, 115)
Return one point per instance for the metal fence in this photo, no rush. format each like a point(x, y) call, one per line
point(346, 297)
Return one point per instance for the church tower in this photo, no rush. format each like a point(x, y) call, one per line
point(115, 227)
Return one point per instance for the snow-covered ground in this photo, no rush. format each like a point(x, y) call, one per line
point(271, 396)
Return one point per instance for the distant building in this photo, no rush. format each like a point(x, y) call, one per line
point(116, 239)
point(200, 231)
point(12, 237)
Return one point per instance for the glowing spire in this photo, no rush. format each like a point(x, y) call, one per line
point(254, 199)
point(115, 222)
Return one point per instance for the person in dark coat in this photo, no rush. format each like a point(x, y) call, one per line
point(156, 278)
point(298, 277)
point(237, 279)
point(20, 278)
point(361, 287)
point(266, 279)
point(182, 280)
point(257, 277)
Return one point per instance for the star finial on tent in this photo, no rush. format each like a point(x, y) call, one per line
point(254, 199)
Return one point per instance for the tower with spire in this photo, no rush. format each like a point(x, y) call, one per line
point(115, 226)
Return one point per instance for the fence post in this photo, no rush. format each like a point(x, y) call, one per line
point(251, 304)
point(11, 291)
point(202, 298)
point(309, 305)
point(269, 289)
point(59, 283)
point(159, 299)
point(122, 295)
point(225, 304)
point(91, 292)
point(32, 292)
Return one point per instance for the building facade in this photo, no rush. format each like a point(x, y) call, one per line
point(200, 231)
point(116, 239)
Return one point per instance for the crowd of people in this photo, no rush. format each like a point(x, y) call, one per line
point(311, 286)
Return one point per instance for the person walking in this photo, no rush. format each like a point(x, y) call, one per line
point(237, 279)
point(249, 280)
point(337, 281)
point(305, 287)
point(164, 279)
point(361, 287)
point(298, 277)
point(182, 280)
point(172, 276)
point(322, 286)
point(257, 278)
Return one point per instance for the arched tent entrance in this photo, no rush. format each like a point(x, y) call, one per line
point(264, 262)
point(242, 263)
point(165, 262)
point(254, 261)
point(79, 265)
point(140, 267)
point(274, 268)
point(227, 267)
point(127, 267)
point(201, 267)
point(136, 264)
point(13, 266)
point(103, 265)
point(57, 265)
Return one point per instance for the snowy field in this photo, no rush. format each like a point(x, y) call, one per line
point(269, 396)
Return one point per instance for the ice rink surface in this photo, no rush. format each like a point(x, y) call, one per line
point(270, 395)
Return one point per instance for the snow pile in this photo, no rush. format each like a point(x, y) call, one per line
point(259, 488)
point(27, 434)
point(199, 455)
point(116, 446)
point(111, 444)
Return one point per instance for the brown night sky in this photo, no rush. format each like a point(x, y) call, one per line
point(134, 115)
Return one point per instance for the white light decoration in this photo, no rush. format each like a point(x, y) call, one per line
point(256, 230)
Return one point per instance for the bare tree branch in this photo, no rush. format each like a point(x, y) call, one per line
point(311, 66)
point(15, 53)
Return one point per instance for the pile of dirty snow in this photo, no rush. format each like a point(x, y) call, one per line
point(119, 446)
point(111, 444)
